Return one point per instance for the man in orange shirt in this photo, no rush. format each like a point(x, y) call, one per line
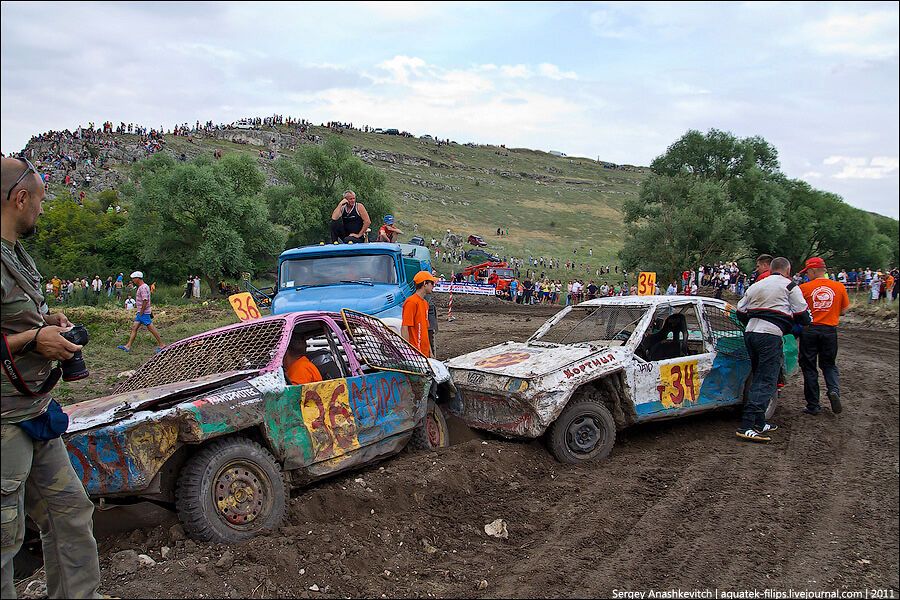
point(827, 300)
point(414, 327)
point(299, 369)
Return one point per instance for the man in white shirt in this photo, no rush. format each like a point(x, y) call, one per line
point(770, 308)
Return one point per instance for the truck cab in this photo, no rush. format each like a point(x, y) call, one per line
point(373, 278)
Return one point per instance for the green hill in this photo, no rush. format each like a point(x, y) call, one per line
point(550, 205)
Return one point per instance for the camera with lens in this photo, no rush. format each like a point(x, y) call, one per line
point(74, 368)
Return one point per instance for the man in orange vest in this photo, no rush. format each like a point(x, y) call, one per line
point(414, 327)
point(298, 367)
point(827, 300)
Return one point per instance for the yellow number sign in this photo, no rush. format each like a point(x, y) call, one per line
point(244, 306)
point(646, 284)
point(679, 384)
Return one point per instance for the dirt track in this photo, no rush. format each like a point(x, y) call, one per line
point(680, 504)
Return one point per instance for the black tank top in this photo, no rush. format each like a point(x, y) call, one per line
point(352, 221)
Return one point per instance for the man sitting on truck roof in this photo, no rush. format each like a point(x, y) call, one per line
point(298, 367)
point(349, 220)
point(389, 232)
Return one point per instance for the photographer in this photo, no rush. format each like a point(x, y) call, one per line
point(38, 478)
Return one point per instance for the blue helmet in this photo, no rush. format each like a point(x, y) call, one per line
point(388, 219)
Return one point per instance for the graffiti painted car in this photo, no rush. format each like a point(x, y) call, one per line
point(606, 364)
point(212, 427)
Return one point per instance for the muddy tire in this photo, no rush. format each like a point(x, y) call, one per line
point(230, 491)
point(584, 431)
point(433, 432)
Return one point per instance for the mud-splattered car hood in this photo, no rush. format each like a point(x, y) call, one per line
point(521, 360)
point(109, 409)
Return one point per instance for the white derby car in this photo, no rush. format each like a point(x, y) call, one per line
point(606, 364)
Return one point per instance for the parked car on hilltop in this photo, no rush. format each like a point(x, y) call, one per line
point(417, 241)
point(212, 427)
point(607, 364)
point(477, 240)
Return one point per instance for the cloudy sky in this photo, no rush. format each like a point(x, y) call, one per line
point(620, 81)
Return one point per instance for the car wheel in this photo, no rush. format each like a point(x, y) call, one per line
point(432, 433)
point(584, 431)
point(230, 491)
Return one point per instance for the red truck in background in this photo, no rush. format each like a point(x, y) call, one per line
point(493, 273)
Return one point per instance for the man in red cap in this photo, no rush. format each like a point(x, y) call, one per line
point(414, 327)
point(827, 300)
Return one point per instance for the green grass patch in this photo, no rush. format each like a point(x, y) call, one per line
point(110, 327)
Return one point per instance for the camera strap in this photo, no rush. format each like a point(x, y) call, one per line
point(15, 378)
point(30, 283)
point(31, 286)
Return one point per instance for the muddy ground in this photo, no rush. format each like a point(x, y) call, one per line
point(680, 504)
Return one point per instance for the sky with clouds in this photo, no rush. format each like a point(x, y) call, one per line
point(619, 81)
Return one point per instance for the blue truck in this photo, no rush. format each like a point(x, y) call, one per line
point(373, 278)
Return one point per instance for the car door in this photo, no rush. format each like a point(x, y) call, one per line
point(730, 370)
point(355, 414)
point(669, 370)
point(389, 388)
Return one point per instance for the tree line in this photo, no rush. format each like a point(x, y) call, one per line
point(213, 217)
point(716, 197)
point(711, 197)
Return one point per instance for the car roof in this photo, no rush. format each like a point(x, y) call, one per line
point(325, 249)
point(650, 301)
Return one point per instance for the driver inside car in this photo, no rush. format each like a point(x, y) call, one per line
point(298, 368)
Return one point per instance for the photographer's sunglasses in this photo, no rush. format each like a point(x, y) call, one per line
point(28, 169)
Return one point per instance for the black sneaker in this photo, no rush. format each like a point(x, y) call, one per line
point(835, 399)
point(768, 428)
point(812, 410)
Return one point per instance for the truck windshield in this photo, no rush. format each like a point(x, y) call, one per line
point(611, 325)
point(326, 270)
point(505, 273)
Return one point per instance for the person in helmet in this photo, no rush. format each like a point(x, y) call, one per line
point(389, 232)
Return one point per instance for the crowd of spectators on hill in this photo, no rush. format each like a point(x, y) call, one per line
point(710, 279)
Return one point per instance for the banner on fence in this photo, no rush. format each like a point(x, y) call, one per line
point(466, 288)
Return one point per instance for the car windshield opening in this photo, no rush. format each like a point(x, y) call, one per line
point(374, 268)
point(607, 325)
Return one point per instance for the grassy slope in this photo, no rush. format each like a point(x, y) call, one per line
point(109, 327)
point(581, 198)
